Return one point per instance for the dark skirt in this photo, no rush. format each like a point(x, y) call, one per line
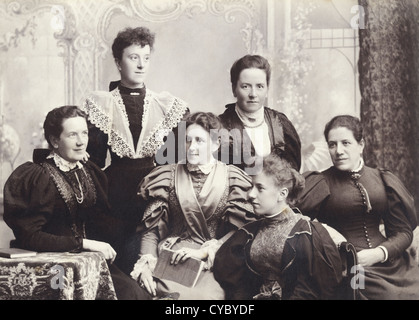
point(124, 176)
point(396, 279)
point(126, 288)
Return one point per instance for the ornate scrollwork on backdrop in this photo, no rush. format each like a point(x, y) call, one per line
point(160, 11)
point(21, 7)
point(169, 10)
point(163, 11)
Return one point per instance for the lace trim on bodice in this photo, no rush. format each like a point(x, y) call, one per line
point(155, 139)
point(152, 142)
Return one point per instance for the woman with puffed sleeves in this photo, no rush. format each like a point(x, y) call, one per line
point(357, 200)
point(59, 202)
point(193, 207)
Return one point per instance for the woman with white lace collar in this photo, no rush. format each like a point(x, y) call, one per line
point(59, 203)
point(132, 122)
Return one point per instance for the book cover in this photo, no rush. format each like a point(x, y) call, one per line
point(186, 273)
point(14, 253)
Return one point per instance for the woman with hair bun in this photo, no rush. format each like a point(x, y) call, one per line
point(137, 126)
point(281, 255)
point(356, 199)
point(59, 202)
point(192, 208)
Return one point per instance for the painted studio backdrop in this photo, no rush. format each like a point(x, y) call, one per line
point(54, 53)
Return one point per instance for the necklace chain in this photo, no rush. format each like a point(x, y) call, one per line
point(81, 198)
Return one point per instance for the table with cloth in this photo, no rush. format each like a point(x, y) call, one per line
point(56, 276)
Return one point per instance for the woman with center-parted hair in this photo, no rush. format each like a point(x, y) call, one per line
point(193, 208)
point(59, 203)
point(256, 130)
point(355, 199)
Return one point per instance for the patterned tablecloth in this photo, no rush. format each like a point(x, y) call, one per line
point(56, 276)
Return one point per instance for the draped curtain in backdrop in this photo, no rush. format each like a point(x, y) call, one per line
point(389, 85)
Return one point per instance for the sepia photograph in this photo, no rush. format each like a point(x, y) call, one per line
point(214, 153)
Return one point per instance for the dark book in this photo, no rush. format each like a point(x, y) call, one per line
point(185, 273)
point(14, 253)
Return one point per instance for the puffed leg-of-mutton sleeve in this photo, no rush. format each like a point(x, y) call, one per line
point(29, 205)
point(317, 269)
point(401, 219)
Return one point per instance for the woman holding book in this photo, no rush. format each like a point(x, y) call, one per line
point(59, 203)
point(193, 208)
point(281, 255)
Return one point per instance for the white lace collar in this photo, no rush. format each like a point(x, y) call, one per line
point(63, 164)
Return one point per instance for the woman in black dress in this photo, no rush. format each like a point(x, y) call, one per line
point(282, 255)
point(132, 122)
point(355, 199)
point(58, 203)
point(256, 130)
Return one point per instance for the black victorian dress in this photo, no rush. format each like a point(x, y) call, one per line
point(50, 210)
point(282, 135)
point(286, 257)
point(356, 204)
point(133, 125)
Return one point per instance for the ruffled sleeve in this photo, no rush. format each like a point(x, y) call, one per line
point(29, 204)
point(316, 190)
point(154, 189)
point(238, 211)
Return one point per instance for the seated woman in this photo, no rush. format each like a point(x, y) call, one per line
point(355, 199)
point(192, 208)
point(58, 203)
point(281, 255)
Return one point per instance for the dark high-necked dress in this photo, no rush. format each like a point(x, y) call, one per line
point(47, 212)
point(132, 125)
point(286, 257)
point(338, 198)
point(283, 137)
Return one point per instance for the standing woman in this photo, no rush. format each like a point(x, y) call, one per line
point(192, 209)
point(59, 203)
point(282, 255)
point(256, 130)
point(355, 199)
point(131, 121)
